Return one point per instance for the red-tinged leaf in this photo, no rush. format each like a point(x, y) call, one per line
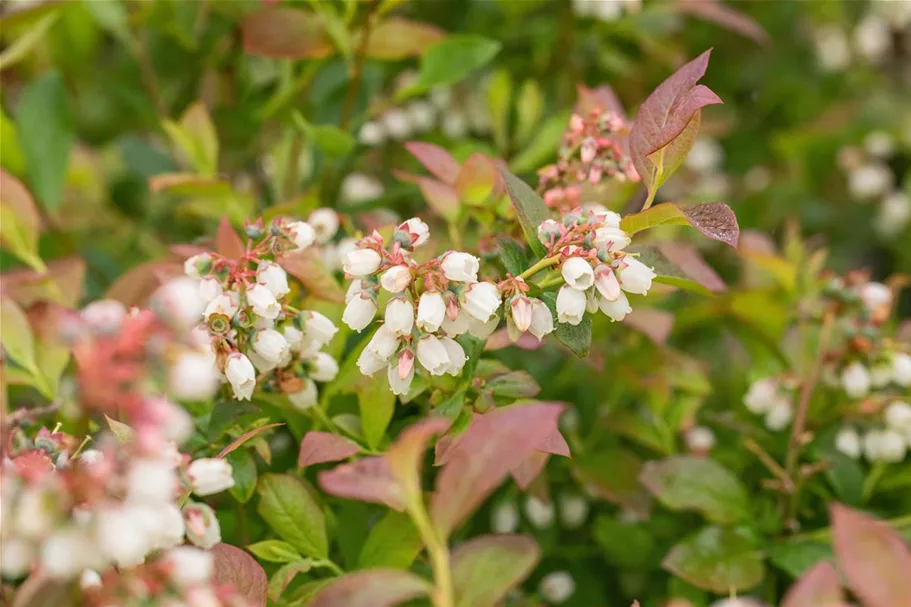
point(670, 112)
point(528, 470)
point(236, 568)
point(477, 180)
point(227, 242)
point(442, 198)
point(726, 17)
point(286, 33)
point(240, 440)
point(406, 454)
point(818, 587)
point(713, 219)
point(62, 283)
point(369, 479)
point(407, 177)
point(307, 266)
point(485, 568)
point(690, 261)
point(371, 588)
point(322, 447)
point(15, 195)
point(654, 324)
point(436, 160)
point(135, 286)
point(494, 444)
point(874, 559)
point(397, 38)
point(500, 339)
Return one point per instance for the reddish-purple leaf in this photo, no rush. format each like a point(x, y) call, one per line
point(308, 267)
point(818, 587)
point(285, 33)
point(442, 198)
point(666, 115)
point(485, 568)
point(500, 339)
point(371, 588)
point(554, 443)
point(436, 160)
point(715, 220)
point(397, 38)
point(654, 324)
point(528, 469)
point(477, 179)
point(237, 569)
point(240, 440)
point(690, 261)
point(227, 242)
point(406, 454)
point(873, 558)
point(322, 447)
point(718, 13)
point(494, 444)
point(369, 479)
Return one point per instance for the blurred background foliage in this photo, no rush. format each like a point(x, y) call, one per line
point(137, 125)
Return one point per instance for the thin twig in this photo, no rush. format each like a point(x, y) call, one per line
point(770, 463)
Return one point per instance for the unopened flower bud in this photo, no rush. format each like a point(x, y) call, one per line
point(431, 311)
point(396, 279)
point(361, 262)
point(400, 372)
point(202, 526)
point(359, 312)
point(241, 374)
point(302, 234)
point(460, 266)
point(210, 475)
point(570, 305)
point(412, 233)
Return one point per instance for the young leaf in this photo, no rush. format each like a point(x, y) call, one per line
point(578, 338)
point(454, 58)
point(874, 558)
point(494, 444)
point(499, 98)
point(285, 33)
point(393, 541)
point(396, 38)
point(122, 432)
point(719, 559)
point(275, 551)
point(369, 479)
point(227, 242)
point(714, 219)
point(530, 209)
point(322, 447)
point(818, 587)
point(16, 336)
point(671, 113)
point(687, 482)
point(308, 267)
point(285, 575)
point(290, 510)
point(20, 223)
point(377, 404)
point(371, 588)
point(477, 180)
point(46, 136)
point(234, 567)
point(436, 160)
point(442, 198)
point(485, 568)
point(406, 454)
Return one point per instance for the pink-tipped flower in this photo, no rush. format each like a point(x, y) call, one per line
point(400, 373)
point(396, 279)
point(521, 309)
point(606, 282)
point(413, 232)
point(202, 527)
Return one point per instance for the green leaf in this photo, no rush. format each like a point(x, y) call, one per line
point(687, 482)
point(543, 145)
point(392, 542)
point(244, 469)
point(303, 595)
point(713, 219)
point(515, 384)
point(499, 95)
point(452, 406)
point(683, 283)
point(377, 404)
point(51, 358)
point(284, 576)
point(624, 543)
point(327, 137)
point(196, 137)
point(529, 104)
point(719, 559)
point(454, 58)
point(275, 551)
point(122, 432)
point(578, 338)
point(485, 568)
point(612, 474)
point(11, 157)
point(46, 136)
point(512, 255)
point(530, 209)
point(16, 336)
point(17, 51)
point(290, 510)
point(796, 558)
point(19, 237)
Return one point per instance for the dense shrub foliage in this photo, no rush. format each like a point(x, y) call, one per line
point(459, 303)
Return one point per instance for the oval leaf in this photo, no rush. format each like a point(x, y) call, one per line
point(369, 479)
point(530, 209)
point(484, 569)
point(687, 482)
point(578, 338)
point(236, 568)
point(290, 510)
point(818, 587)
point(227, 242)
point(719, 559)
point(436, 160)
point(321, 447)
point(373, 588)
point(713, 219)
point(396, 38)
point(285, 33)
point(393, 541)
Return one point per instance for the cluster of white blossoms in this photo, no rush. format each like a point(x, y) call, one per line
point(888, 443)
point(597, 271)
point(429, 305)
point(249, 328)
point(871, 39)
point(870, 178)
point(773, 398)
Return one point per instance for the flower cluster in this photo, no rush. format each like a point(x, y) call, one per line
point(773, 398)
point(249, 327)
point(429, 305)
point(592, 148)
point(589, 248)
